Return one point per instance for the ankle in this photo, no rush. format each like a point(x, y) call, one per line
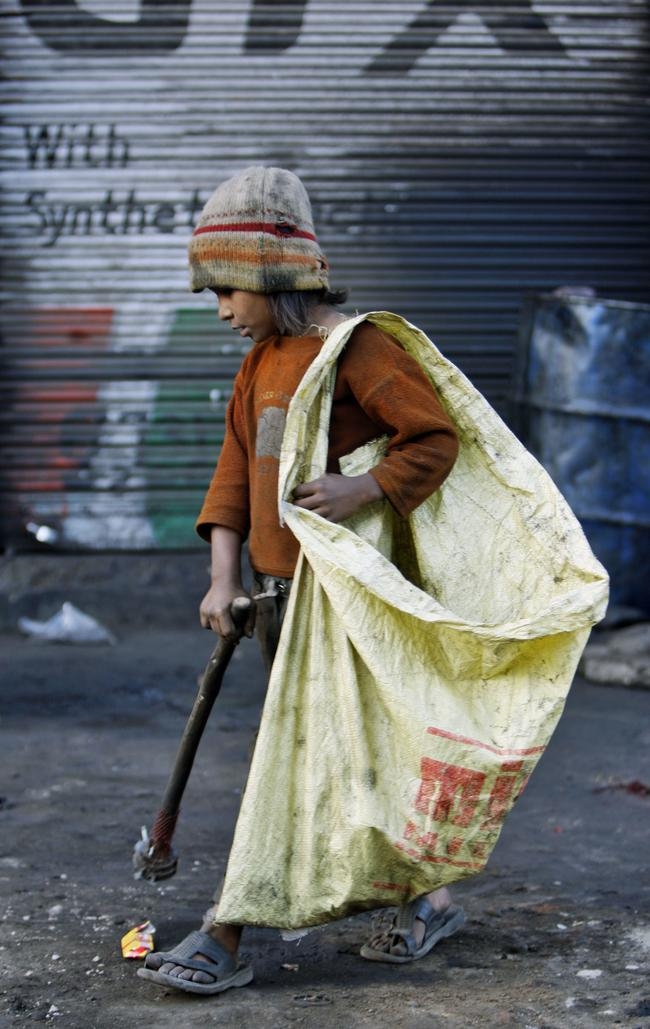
point(440, 899)
point(228, 936)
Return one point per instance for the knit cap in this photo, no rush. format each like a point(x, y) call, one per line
point(256, 233)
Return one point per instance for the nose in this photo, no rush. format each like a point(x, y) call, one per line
point(224, 310)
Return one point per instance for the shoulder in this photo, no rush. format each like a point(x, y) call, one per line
point(369, 345)
point(367, 336)
point(372, 351)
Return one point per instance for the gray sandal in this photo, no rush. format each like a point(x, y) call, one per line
point(223, 969)
point(437, 925)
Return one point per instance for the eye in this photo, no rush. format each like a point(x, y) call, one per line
point(221, 291)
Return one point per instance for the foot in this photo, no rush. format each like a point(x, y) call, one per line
point(199, 964)
point(227, 936)
point(439, 900)
point(416, 929)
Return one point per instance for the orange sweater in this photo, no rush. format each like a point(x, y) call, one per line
point(380, 389)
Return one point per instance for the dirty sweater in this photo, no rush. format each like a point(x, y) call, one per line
point(380, 390)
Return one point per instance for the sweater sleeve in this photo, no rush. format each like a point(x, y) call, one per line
point(391, 388)
point(227, 499)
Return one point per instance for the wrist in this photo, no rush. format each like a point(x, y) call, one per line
point(226, 582)
point(372, 489)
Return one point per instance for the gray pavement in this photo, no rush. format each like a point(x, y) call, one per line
point(558, 931)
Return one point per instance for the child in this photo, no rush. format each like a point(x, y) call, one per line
point(255, 248)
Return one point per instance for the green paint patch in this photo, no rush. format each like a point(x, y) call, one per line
point(186, 426)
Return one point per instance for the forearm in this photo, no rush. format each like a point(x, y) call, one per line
point(395, 397)
point(215, 611)
point(411, 473)
point(225, 565)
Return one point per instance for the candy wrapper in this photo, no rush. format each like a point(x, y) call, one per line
point(138, 942)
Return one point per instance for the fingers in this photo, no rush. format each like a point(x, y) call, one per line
point(231, 620)
point(337, 497)
point(225, 625)
point(305, 492)
point(326, 496)
point(314, 496)
point(205, 618)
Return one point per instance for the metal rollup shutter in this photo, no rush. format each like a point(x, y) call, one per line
point(459, 155)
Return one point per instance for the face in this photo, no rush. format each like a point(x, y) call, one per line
point(247, 313)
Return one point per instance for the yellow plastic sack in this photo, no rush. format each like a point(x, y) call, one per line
point(422, 667)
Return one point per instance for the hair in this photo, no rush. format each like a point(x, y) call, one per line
point(293, 311)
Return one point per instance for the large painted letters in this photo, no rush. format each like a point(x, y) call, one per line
point(274, 26)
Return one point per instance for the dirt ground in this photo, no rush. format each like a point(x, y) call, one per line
point(558, 933)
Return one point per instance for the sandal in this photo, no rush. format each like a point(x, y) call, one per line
point(224, 969)
point(391, 944)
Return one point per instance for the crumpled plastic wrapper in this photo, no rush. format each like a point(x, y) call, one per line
point(138, 942)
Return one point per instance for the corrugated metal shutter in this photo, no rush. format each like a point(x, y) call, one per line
point(459, 155)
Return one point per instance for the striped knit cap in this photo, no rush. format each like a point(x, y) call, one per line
point(256, 233)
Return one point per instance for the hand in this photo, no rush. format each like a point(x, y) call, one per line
point(216, 614)
point(337, 497)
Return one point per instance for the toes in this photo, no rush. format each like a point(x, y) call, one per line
point(395, 945)
point(194, 976)
point(203, 977)
point(189, 974)
point(388, 944)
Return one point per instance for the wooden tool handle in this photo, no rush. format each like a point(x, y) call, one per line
point(207, 694)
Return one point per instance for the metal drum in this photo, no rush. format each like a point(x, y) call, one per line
point(583, 398)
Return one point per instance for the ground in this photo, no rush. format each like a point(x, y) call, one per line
point(558, 933)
